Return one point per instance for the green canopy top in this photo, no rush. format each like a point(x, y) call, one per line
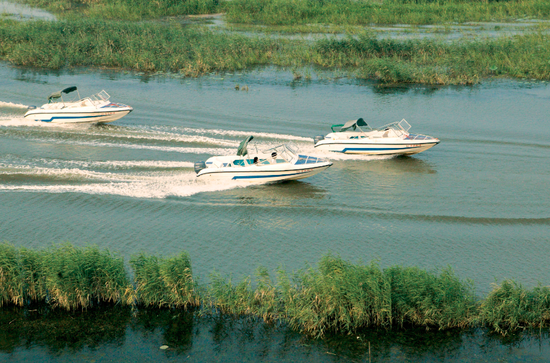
point(57, 94)
point(242, 151)
point(350, 125)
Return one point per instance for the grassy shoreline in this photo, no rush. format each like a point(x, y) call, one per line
point(337, 296)
point(192, 52)
point(300, 12)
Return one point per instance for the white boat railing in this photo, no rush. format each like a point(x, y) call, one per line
point(100, 96)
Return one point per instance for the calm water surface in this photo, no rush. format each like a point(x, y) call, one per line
point(478, 202)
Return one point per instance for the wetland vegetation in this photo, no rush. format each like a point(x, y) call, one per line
point(336, 297)
point(299, 12)
point(105, 34)
point(188, 51)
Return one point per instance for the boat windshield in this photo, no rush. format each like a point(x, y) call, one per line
point(400, 128)
point(101, 96)
point(284, 151)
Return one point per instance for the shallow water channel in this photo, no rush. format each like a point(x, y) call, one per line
point(477, 202)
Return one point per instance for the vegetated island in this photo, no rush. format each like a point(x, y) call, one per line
point(336, 297)
point(136, 35)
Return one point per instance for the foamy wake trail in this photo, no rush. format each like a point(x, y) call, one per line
point(16, 121)
point(63, 173)
point(236, 133)
point(167, 136)
point(182, 185)
point(12, 105)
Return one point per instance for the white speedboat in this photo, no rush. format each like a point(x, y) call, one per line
point(276, 164)
point(356, 137)
point(96, 108)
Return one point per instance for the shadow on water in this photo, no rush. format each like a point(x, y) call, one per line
point(57, 330)
point(395, 167)
point(225, 338)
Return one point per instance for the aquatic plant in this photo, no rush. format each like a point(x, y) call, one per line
point(125, 9)
point(10, 276)
point(78, 277)
point(350, 12)
point(164, 282)
point(510, 306)
point(191, 52)
point(431, 299)
point(65, 276)
point(336, 296)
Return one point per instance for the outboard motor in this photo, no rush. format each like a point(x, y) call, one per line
point(199, 165)
point(318, 138)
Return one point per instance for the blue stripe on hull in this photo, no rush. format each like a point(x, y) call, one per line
point(69, 118)
point(376, 149)
point(263, 176)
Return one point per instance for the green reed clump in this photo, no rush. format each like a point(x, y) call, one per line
point(510, 306)
point(350, 12)
point(338, 296)
point(263, 301)
point(66, 276)
point(21, 276)
point(165, 282)
point(125, 9)
point(191, 52)
point(79, 277)
point(11, 284)
point(431, 299)
point(146, 47)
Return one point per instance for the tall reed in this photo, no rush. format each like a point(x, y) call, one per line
point(66, 276)
point(337, 296)
point(431, 299)
point(510, 306)
point(80, 277)
point(190, 52)
point(165, 282)
point(11, 281)
point(350, 12)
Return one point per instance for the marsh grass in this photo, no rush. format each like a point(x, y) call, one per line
point(342, 297)
point(431, 299)
point(125, 9)
point(350, 12)
point(80, 277)
point(165, 282)
point(336, 297)
point(64, 276)
point(10, 276)
point(510, 307)
point(175, 49)
point(146, 47)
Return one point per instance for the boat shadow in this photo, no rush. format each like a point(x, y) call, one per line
point(394, 166)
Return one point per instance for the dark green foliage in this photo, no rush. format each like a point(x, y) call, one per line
point(351, 12)
point(78, 277)
point(336, 297)
point(164, 282)
point(126, 9)
point(11, 283)
point(138, 46)
point(510, 307)
point(190, 52)
point(65, 276)
point(429, 299)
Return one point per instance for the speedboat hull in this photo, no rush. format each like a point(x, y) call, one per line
point(103, 115)
point(376, 148)
point(263, 174)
